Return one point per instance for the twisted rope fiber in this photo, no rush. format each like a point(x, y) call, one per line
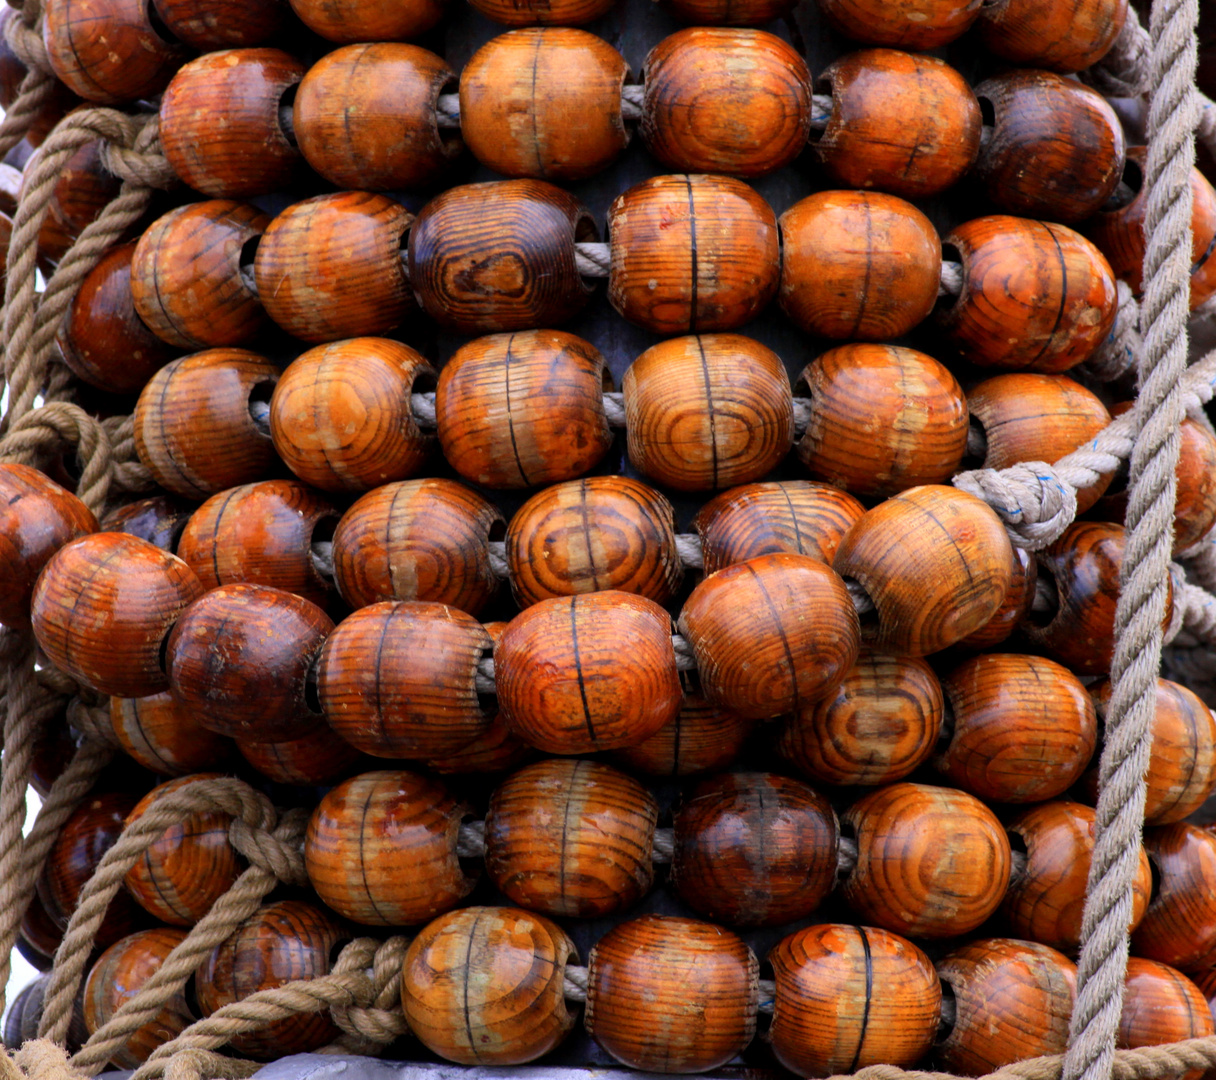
point(33, 434)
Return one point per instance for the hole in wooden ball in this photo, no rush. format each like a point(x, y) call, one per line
point(949, 1013)
point(976, 453)
point(823, 106)
point(946, 301)
point(312, 698)
point(487, 702)
point(259, 406)
point(245, 261)
point(287, 124)
point(1018, 855)
point(158, 26)
point(1046, 603)
point(1129, 187)
point(1154, 873)
point(470, 865)
point(162, 654)
point(450, 137)
point(945, 735)
point(987, 111)
point(867, 612)
point(190, 996)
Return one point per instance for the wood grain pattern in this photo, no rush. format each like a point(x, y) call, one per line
point(317, 758)
point(164, 737)
point(701, 739)
point(159, 520)
point(699, 81)
point(365, 118)
point(350, 21)
point(646, 1012)
point(542, 12)
point(484, 986)
point(79, 194)
point(1041, 34)
point(604, 532)
point(381, 849)
point(571, 838)
point(222, 24)
point(1161, 1005)
point(757, 653)
point(1179, 926)
point(566, 685)
point(902, 24)
point(692, 254)
point(1014, 608)
point(707, 411)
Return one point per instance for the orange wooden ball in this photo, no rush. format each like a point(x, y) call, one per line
point(317, 758)
point(1038, 33)
point(1161, 1005)
point(1179, 924)
point(165, 737)
point(701, 739)
point(1015, 607)
point(349, 21)
point(221, 24)
point(911, 24)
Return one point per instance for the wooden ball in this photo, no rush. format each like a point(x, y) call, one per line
point(912, 24)
point(186, 278)
point(521, 410)
point(12, 71)
point(496, 750)
point(118, 975)
point(849, 997)
point(571, 838)
point(544, 102)
point(702, 738)
point(365, 117)
point(500, 256)
point(350, 21)
point(1055, 150)
point(37, 517)
point(279, 943)
point(1015, 607)
point(164, 737)
point(935, 561)
point(566, 686)
point(381, 849)
point(1022, 729)
point(250, 154)
point(318, 758)
point(1179, 926)
point(267, 639)
point(707, 412)
point(330, 267)
point(869, 141)
point(39, 936)
point(1161, 1005)
point(1036, 296)
point(485, 986)
point(24, 1017)
point(261, 534)
point(879, 725)
point(542, 12)
point(691, 254)
point(754, 849)
point(398, 680)
point(603, 532)
point(1038, 33)
point(1012, 999)
point(103, 340)
point(1044, 902)
point(883, 419)
point(858, 265)
point(729, 12)
point(757, 653)
point(79, 193)
point(129, 594)
point(193, 427)
point(189, 867)
point(341, 417)
point(221, 24)
point(700, 81)
point(159, 520)
point(799, 516)
point(418, 540)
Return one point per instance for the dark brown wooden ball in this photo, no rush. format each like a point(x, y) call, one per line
point(542, 12)
point(165, 737)
point(701, 739)
point(349, 21)
point(221, 24)
point(79, 193)
point(1179, 924)
point(159, 520)
point(905, 24)
point(1041, 34)
point(317, 758)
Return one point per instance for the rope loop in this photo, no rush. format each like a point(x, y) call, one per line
point(1032, 499)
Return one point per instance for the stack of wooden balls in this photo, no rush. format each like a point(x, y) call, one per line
point(709, 737)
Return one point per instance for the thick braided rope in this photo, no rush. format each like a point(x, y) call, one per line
point(1144, 573)
point(33, 435)
point(370, 1027)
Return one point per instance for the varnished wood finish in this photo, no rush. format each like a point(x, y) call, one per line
point(341, 418)
point(879, 725)
point(542, 12)
point(185, 275)
point(397, 679)
point(349, 21)
point(883, 419)
point(499, 256)
point(756, 652)
point(317, 758)
point(936, 562)
point(849, 997)
point(102, 607)
point(901, 122)
point(1044, 903)
point(1022, 728)
point(239, 659)
point(159, 520)
point(520, 410)
point(799, 516)
point(691, 254)
point(164, 737)
point(1161, 1005)
point(79, 193)
point(1041, 34)
point(103, 340)
point(418, 540)
point(39, 936)
point(190, 867)
point(1014, 608)
point(262, 534)
point(566, 682)
point(107, 50)
point(858, 265)
point(251, 154)
point(1013, 1000)
point(604, 532)
point(279, 943)
point(1179, 926)
point(571, 838)
point(495, 750)
point(330, 267)
point(118, 975)
point(754, 849)
point(702, 738)
point(37, 517)
point(365, 118)
point(700, 81)
point(729, 12)
point(222, 24)
point(544, 102)
point(1056, 147)
point(1036, 296)
point(193, 429)
point(485, 986)
point(904, 24)
point(707, 411)
point(381, 849)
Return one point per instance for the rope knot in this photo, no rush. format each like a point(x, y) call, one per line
point(1032, 499)
point(374, 1019)
point(141, 161)
point(42, 432)
point(27, 44)
point(279, 852)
